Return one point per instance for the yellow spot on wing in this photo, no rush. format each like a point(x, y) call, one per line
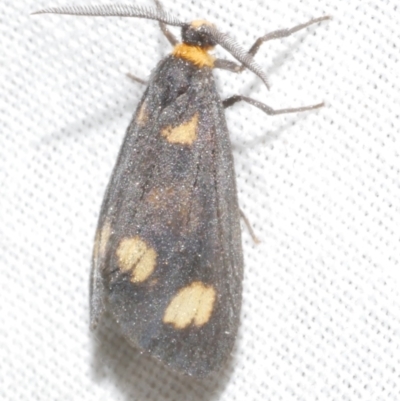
point(184, 134)
point(135, 256)
point(195, 54)
point(101, 241)
point(192, 304)
point(142, 116)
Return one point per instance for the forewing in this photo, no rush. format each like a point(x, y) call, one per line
point(167, 257)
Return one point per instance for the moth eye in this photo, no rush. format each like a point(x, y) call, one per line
point(136, 257)
point(184, 134)
point(191, 304)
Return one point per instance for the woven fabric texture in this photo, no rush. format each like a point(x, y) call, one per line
point(321, 302)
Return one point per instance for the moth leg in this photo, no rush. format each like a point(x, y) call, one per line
point(281, 33)
point(266, 109)
point(167, 33)
point(228, 65)
point(136, 79)
point(249, 227)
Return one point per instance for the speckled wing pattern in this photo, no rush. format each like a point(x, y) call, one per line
point(167, 260)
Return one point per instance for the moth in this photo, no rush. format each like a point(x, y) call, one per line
point(167, 259)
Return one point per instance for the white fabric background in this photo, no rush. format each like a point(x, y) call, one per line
point(321, 308)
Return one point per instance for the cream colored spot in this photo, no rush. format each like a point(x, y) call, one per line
point(142, 116)
point(184, 134)
point(101, 241)
point(192, 304)
point(200, 22)
point(104, 237)
point(135, 256)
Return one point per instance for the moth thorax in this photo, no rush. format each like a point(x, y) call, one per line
point(197, 34)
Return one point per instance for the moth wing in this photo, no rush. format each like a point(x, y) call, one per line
point(168, 257)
